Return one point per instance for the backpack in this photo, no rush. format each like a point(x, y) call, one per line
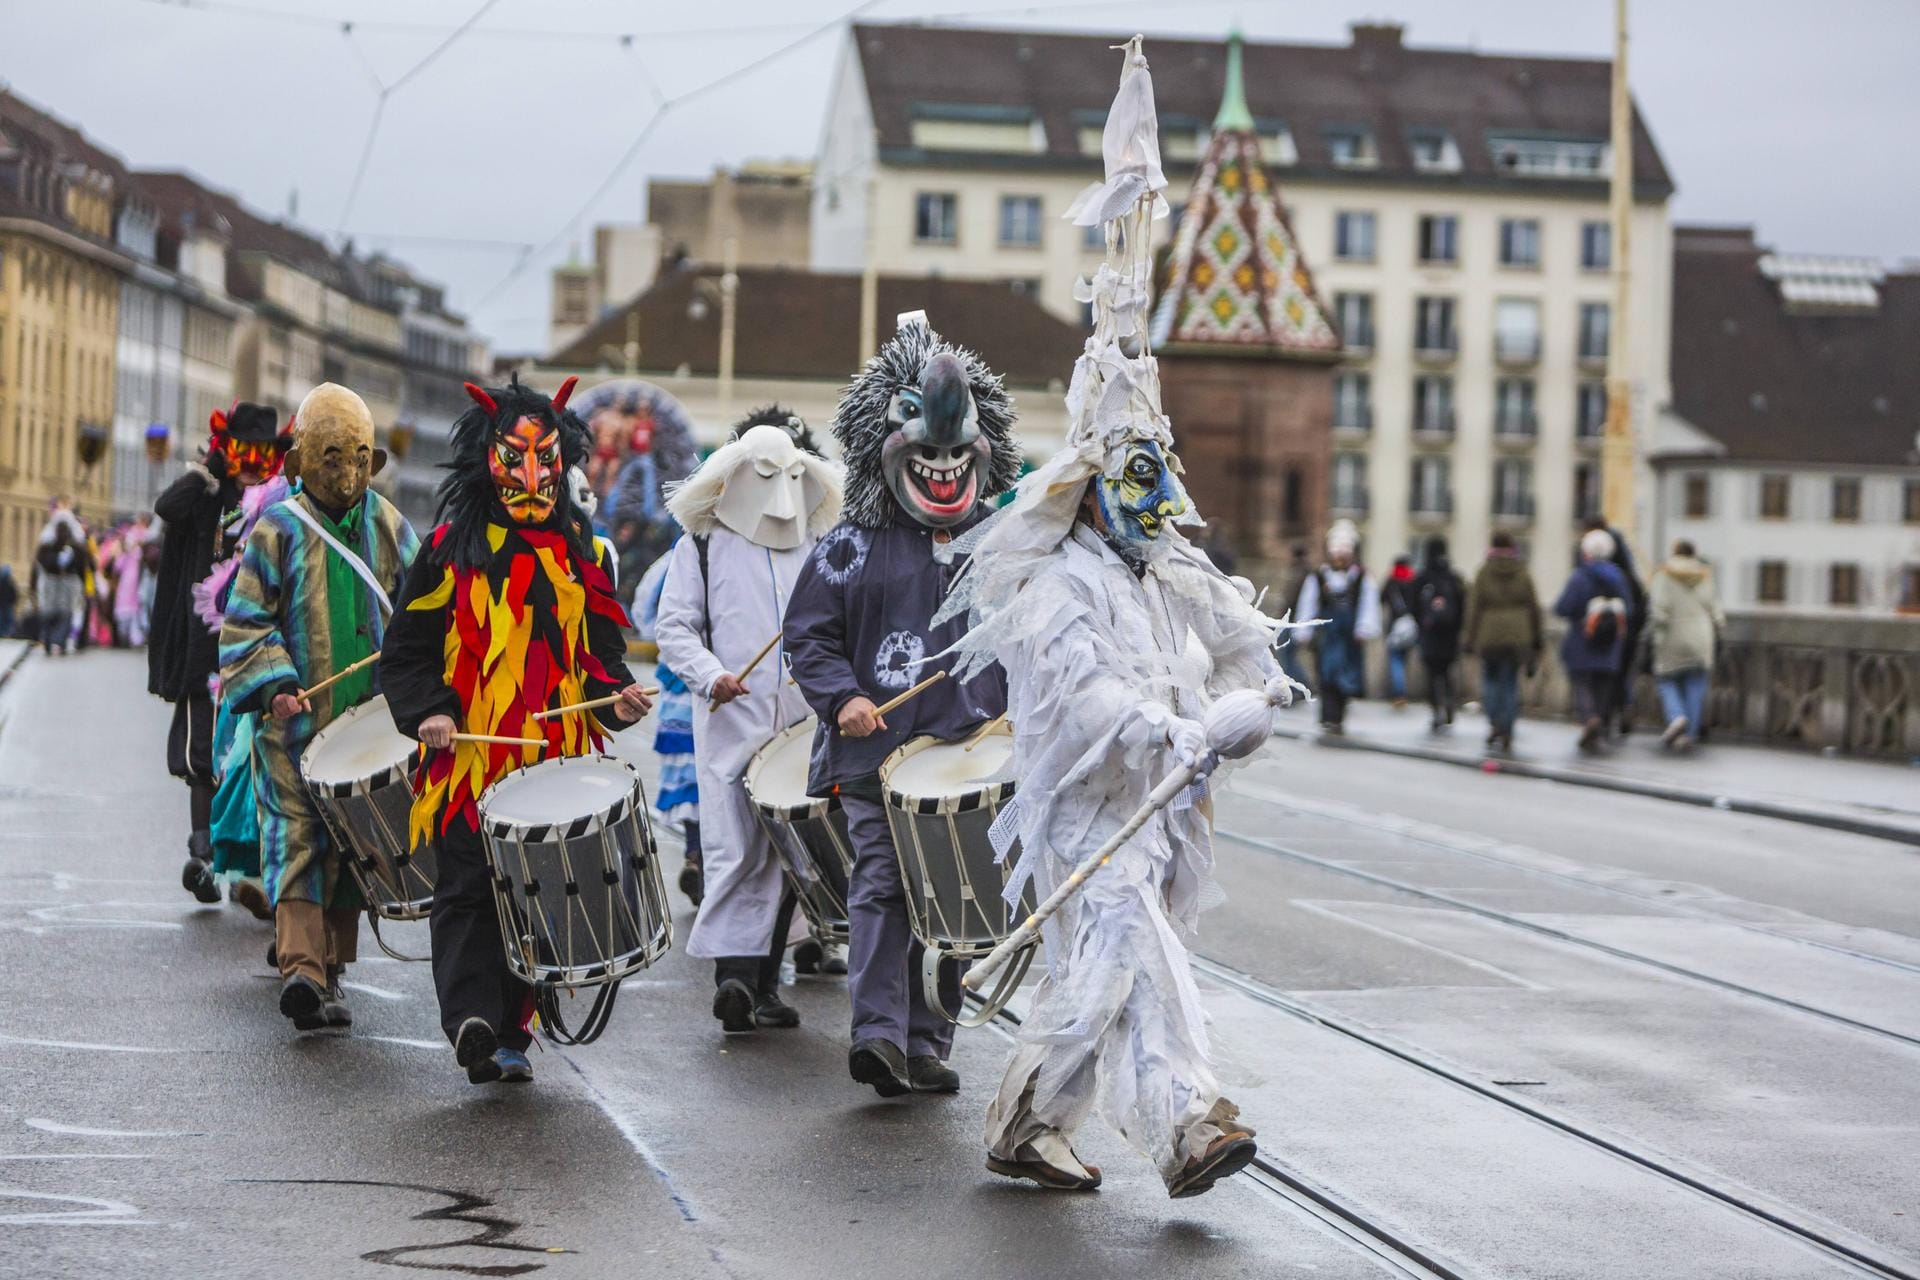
point(1439, 607)
point(1601, 629)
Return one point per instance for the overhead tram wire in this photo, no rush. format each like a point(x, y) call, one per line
point(659, 114)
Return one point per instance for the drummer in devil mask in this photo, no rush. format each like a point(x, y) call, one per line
point(926, 429)
point(508, 611)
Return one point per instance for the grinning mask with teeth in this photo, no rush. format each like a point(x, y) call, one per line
point(1134, 508)
point(926, 429)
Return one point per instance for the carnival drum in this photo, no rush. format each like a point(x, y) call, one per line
point(356, 770)
point(576, 873)
point(940, 807)
point(808, 832)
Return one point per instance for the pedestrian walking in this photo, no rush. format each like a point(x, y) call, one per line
point(129, 572)
point(9, 600)
point(1595, 603)
point(1403, 630)
point(1503, 629)
point(1685, 622)
point(1341, 596)
point(1291, 579)
point(61, 562)
point(1440, 606)
point(1631, 653)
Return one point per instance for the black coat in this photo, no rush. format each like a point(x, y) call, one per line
point(182, 651)
point(1440, 607)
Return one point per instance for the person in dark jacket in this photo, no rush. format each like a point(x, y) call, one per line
point(1440, 605)
point(1636, 597)
point(1596, 603)
point(1503, 628)
point(926, 431)
point(9, 600)
point(1396, 602)
point(201, 511)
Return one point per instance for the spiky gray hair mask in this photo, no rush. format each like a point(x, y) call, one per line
point(925, 428)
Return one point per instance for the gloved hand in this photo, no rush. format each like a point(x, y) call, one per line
point(1188, 742)
point(1281, 687)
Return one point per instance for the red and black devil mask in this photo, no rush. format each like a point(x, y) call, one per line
point(247, 443)
point(511, 454)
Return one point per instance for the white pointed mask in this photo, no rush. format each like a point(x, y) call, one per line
point(770, 492)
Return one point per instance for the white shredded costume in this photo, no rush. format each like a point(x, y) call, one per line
point(1110, 663)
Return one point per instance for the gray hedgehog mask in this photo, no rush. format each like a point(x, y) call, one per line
point(935, 456)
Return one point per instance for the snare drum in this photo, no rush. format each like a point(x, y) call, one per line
point(356, 772)
point(576, 875)
point(940, 806)
point(808, 832)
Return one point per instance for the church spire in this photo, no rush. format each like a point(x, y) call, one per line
point(1233, 101)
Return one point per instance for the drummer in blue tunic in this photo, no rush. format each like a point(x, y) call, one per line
point(926, 430)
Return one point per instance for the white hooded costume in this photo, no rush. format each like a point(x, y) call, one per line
point(759, 504)
point(1111, 662)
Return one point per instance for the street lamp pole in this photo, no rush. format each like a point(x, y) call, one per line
point(729, 287)
point(1616, 446)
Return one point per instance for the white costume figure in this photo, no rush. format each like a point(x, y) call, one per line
point(756, 506)
point(1117, 636)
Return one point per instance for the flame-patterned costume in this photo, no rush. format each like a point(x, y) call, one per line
point(508, 611)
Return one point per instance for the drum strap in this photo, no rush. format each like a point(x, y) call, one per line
point(358, 565)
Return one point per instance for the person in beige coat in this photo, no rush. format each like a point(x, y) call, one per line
point(1686, 626)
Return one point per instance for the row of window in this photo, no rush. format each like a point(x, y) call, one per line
point(1776, 498)
point(1514, 415)
point(1437, 241)
point(1436, 333)
point(1431, 490)
point(1772, 581)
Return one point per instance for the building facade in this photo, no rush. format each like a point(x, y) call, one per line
point(1791, 457)
point(60, 275)
point(1452, 205)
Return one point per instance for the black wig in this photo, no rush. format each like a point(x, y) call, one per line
point(468, 503)
point(777, 415)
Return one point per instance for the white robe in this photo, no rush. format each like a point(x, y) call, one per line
point(1117, 1019)
point(745, 601)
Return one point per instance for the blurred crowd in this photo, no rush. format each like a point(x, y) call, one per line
point(86, 585)
point(1617, 627)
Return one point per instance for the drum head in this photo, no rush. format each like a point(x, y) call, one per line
point(777, 775)
point(357, 745)
point(948, 768)
point(556, 791)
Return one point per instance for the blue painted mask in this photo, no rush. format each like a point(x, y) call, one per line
point(1136, 507)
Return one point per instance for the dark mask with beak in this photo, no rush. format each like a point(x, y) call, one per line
point(926, 428)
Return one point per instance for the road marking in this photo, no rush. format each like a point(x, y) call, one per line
point(628, 1130)
point(80, 1155)
point(76, 1044)
point(54, 1126)
point(103, 1213)
point(378, 993)
point(411, 1044)
point(1330, 912)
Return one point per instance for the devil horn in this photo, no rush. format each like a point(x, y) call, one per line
point(564, 394)
point(481, 398)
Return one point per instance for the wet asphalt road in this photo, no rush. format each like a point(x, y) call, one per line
point(1681, 993)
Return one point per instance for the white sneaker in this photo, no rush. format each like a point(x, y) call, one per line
point(1676, 730)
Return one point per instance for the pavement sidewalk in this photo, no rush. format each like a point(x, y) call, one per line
point(1864, 796)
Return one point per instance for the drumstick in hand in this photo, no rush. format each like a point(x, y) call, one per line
point(491, 737)
point(747, 670)
point(342, 674)
point(918, 689)
point(651, 691)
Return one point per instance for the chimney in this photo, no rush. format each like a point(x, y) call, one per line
point(1377, 37)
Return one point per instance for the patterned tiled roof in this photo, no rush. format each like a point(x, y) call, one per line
point(1236, 277)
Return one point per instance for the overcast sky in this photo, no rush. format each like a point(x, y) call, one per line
point(1798, 118)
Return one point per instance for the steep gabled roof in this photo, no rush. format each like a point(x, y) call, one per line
point(1236, 277)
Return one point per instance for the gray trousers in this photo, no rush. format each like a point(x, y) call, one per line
point(883, 956)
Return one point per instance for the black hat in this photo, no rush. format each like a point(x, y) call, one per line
point(253, 423)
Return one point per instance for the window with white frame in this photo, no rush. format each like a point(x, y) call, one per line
point(1590, 417)
point(1536, 157)
point(1513, 411)
point(1353, 400)
point(1595, 321)
point(1433, 325)
point(1433, 403)
point(1353, 312)
point(1350, 482)
point(1513, 487)
point(1353, 236)
point(1351, 148)
point(1020, 222)
point(1596, 246)
point(1520, 242)
point(936, 217)
point(1516, 329)
point(1439, 238)
point(1434, 151)
point(1432, 491)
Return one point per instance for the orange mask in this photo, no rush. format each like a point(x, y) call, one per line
point(525, 465)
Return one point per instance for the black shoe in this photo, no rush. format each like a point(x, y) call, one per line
point(691, 882)
point(881, 1064)
point(733, 1005)
point(836, 962)
point(333, 1002)
point(808, 957)
point(301, 999)
point(473, 1048)
point(769, 1010)
point(197, 876)
point(928, 1074)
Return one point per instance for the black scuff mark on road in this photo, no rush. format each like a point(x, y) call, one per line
point(495, 1231)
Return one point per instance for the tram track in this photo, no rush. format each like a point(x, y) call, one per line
point(1410, 831)
point(1456, 903)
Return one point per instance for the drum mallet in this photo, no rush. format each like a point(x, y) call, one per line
point(337, 676)
point(652, 691)
point(914, 692)
point(1237, 725)
point(747, 670)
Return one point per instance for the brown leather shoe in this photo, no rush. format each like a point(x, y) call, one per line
point(1225, 1156)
